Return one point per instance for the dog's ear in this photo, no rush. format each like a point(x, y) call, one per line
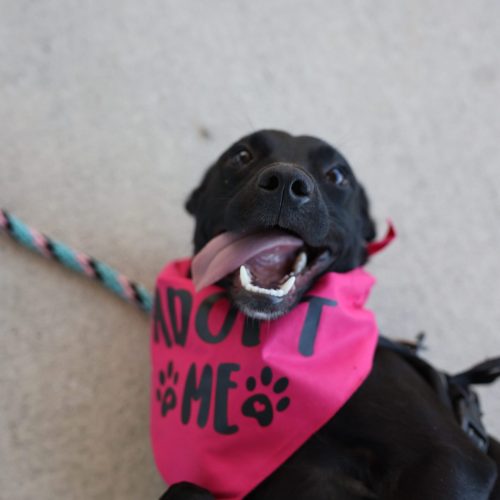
point(193, 202)
point(368, 227)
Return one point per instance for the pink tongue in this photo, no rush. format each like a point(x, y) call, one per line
point(228, 251)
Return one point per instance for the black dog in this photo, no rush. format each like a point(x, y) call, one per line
point(394, 439)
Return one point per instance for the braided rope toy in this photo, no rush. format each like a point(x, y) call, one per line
point(119, 284)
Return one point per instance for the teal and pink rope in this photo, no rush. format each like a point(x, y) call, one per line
point(77, 261)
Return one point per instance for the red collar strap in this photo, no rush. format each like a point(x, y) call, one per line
point(377, 246)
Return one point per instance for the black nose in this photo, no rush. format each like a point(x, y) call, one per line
point(290, 180)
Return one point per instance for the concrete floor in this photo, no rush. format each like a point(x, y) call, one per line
point(109, 113)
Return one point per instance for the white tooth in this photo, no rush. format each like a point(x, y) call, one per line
point(246, 283)
point(245, 277)
point(287, 285)
point(264, 291)
point(300, 263)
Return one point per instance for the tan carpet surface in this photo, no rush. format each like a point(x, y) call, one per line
point(109, 113)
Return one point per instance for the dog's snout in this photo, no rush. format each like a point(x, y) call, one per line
point(292, 181)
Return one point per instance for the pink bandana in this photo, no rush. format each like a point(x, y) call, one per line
point(233, 398)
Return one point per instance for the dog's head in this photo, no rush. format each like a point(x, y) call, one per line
point(271, 181)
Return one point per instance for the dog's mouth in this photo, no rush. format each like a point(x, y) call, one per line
point(278, 270)
point(266, 272)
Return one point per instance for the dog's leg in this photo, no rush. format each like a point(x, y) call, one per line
point(186, 491)
point(494, 453)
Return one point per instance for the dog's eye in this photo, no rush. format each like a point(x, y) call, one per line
point(243, 156)
point(338, 177)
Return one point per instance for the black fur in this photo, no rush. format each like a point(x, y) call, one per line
point(288, 183)
point(393, 439)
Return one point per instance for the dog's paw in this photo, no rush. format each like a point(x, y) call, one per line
point(186, 491)
point(166, 394)
point(260, 406)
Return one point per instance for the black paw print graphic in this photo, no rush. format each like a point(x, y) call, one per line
point(166, 395)
point(259, 406)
